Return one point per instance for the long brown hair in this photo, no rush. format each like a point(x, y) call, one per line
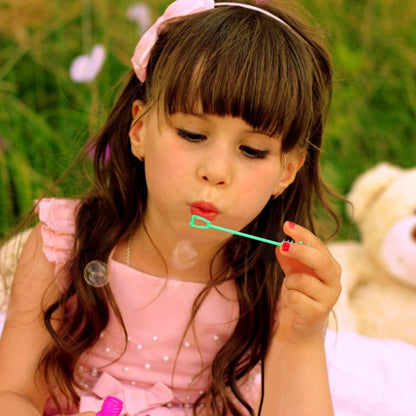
point(233, 62)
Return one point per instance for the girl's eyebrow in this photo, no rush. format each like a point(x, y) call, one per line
point(263, 132)
point(255, 130)
point(259, 131)
point(198, 115)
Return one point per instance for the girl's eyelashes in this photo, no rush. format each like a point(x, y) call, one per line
point(254, 153)
point(191, 137)
point(248, 151)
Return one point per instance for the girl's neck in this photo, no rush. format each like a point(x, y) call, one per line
point(157, 256)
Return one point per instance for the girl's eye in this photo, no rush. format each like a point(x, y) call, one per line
point(254, 153)
point(191, 137)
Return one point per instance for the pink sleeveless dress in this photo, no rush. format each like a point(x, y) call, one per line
point(164, 368)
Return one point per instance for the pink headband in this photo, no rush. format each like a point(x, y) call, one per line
point(179, 8)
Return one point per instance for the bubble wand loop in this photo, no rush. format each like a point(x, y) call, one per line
point(207, 224)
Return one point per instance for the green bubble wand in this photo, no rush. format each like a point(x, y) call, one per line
point(205, 225)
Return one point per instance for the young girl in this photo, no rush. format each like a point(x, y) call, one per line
point(116, 294)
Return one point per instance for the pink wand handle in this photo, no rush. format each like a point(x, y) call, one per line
point(112, 406)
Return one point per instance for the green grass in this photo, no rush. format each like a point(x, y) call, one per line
point(45, 118)
point(373, 116)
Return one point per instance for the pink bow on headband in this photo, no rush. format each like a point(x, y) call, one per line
point(146, 43)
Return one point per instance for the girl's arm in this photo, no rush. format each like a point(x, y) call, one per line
point(296, 377)
point(22, 391)
point(296, 380)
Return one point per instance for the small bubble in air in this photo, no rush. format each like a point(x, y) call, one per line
point(95, 273)
point(184, 255)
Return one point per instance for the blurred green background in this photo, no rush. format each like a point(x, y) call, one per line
point(46, 117)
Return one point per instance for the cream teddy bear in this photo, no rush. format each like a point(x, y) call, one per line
point(379, 273)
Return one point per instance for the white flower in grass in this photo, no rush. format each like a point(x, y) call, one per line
point(85, 68)
point(141, 14)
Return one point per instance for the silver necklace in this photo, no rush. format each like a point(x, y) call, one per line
point(128, 254)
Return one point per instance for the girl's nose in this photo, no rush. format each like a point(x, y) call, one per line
point(213, 180)
point(215, 169)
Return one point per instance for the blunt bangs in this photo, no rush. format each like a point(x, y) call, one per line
point(239, 63)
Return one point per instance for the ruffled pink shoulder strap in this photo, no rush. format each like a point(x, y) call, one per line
point(58, 233)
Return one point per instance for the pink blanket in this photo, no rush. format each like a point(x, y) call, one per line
point(371, 377)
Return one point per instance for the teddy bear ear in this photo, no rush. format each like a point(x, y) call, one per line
point(368, 186)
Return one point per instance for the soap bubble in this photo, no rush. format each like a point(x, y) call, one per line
point(184, 255)
point(95, 273)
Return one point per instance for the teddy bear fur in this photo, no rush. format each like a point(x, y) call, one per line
point(9, 255)
point(379, 272)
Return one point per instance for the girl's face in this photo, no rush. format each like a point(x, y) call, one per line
point(217, 167)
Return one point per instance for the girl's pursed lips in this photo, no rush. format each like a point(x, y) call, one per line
point(204, 209)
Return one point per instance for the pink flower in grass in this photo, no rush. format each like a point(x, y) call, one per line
point(141, 14)
point(85, 68)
